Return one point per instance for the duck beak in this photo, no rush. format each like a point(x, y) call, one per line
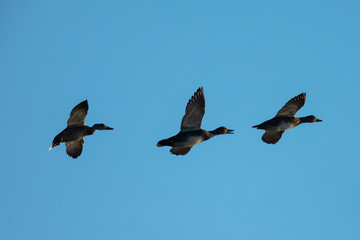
point(230, 131)
point(318, 120)
point(53, 145)
point(109, 128)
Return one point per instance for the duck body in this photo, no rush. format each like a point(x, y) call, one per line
point(73, 133)
point(182, 142)
point(279, 124)
point(186, 138)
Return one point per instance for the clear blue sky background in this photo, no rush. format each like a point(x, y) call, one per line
point(138, 63)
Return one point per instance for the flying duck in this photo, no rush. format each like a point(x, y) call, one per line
point(76, 130)
point(191, 132)
point(285, 119)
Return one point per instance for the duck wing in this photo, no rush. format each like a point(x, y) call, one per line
point(180, 150)
point(194, 112)
point(78, 114)
point(292, 106)
point(74, 149)
point(272, 137)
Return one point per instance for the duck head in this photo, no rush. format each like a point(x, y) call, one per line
point(56, 142)
point(222, 130)
point(101, 126)
point(310, 119)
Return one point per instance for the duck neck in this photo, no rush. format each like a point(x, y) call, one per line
point(92, 129)
point(206, 135)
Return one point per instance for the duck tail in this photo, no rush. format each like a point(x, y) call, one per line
point(164, 142)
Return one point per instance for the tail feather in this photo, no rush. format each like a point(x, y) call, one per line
point(164, 142)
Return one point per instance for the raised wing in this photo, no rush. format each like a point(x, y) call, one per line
point(74, 149)
point(292, 106)
point(78, 114)
point(194, 112)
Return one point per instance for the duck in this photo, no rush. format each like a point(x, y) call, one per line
point(73, 135)
point(285, 119)
point(191, 132)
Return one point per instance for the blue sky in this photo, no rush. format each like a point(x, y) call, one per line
point(138, 63)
